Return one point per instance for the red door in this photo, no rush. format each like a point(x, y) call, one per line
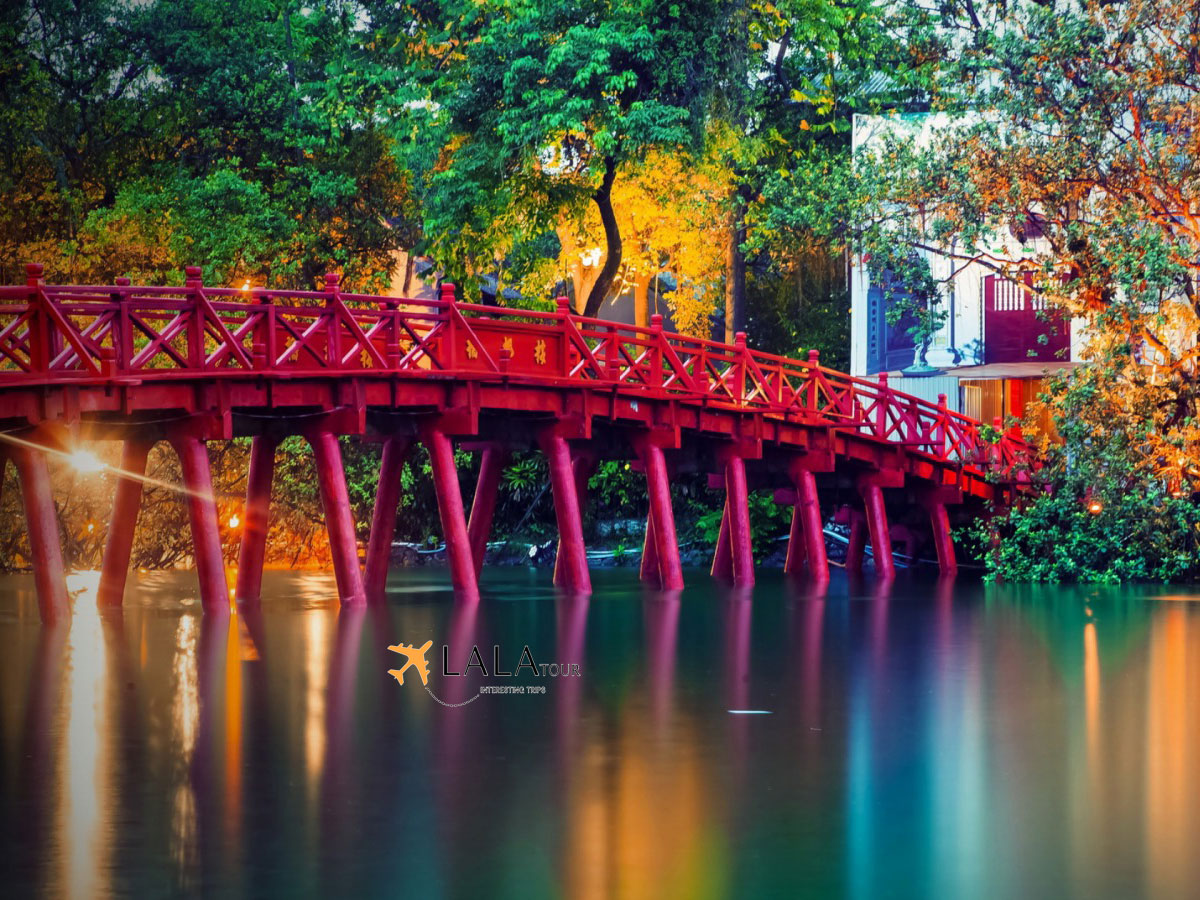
point(1017, 326)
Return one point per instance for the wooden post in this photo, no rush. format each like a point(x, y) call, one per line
point(809, 506)
point(722, 563)
point(797, 553)
point(737, 499)
point(256, 521)
point(202, 510)
point(483, 508)
point(339, 519)
point(943, 540)
point(41, 521)
point(648, 572)
point(858, 542)
point(450, 508)
point(383, 520)
point(877, 524)
point(572, 573)
point(127, 500)
point(659, 487)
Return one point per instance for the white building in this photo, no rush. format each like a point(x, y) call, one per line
point(994, 348)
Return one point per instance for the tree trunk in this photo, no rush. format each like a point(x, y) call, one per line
point(735, 272)
point(612, 238)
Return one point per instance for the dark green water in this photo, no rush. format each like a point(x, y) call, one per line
point(932, 742)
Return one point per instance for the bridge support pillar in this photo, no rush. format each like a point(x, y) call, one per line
point(582, 466)
point(483, 508)
point(450, 509)
point(807, 539)
point(570, 568)
point(877, 525)
point(722, 562)
point(383, 519)
point(127, 500)
point(256, 521)
point(935, 500)
point(45, 547)
point(202, 511)
point(737, 508)
point(658, 482)
point(797, 552)
point(943, 540)
point(339, 519)
point(648, 572)
point(855, 550)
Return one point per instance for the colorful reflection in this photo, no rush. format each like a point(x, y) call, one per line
point(926, 740)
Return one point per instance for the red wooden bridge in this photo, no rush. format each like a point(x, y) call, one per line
point(194, 364)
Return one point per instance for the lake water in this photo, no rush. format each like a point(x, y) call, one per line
point(934, 741)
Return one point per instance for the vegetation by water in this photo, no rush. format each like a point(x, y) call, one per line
point(695, 154)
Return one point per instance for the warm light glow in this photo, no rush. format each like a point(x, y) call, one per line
point(86, 461)
point(91, 526)
point(1095, 507)
point(246, 286)
point(235, 521)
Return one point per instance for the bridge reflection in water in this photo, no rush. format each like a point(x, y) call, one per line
point(930, 740)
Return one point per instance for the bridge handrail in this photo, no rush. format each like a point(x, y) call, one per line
point(69, 332)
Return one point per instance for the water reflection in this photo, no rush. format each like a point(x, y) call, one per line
point(928, 739)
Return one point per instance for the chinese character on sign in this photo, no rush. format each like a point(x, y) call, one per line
point(539, 353)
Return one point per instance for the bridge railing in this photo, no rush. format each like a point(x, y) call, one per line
point(63, 333)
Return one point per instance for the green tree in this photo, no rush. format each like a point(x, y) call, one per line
point(525, 112)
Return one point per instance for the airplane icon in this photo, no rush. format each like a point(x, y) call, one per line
point(415, 657)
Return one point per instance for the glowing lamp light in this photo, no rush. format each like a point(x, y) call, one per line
point(1095, 507)
point(235, 520)
point(246, 286)
point(86, 461)
point(91, 527)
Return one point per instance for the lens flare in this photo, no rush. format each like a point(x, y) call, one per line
point(86, 461)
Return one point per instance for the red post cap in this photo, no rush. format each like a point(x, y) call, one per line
point(33, 273)
point(122, 281)
point(332, 280)
point(814, 357)
point(191, 275)
point(448, 291)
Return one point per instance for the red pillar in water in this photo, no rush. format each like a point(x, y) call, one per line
point(450, 509)
point(809, 507)
point(202, 511)
point(797, 553)
point(658, 483)
point(738, 509)
point(339, 520)
point(943, 540)
point(383, 519)
point(648, 572)
point(571, 569)
point(127, 500)
point(483, 507)
point(858, 542)
point(582, 466)
point(722, 562)
point(49, 576)
point(256, 521)
point(877, 524)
